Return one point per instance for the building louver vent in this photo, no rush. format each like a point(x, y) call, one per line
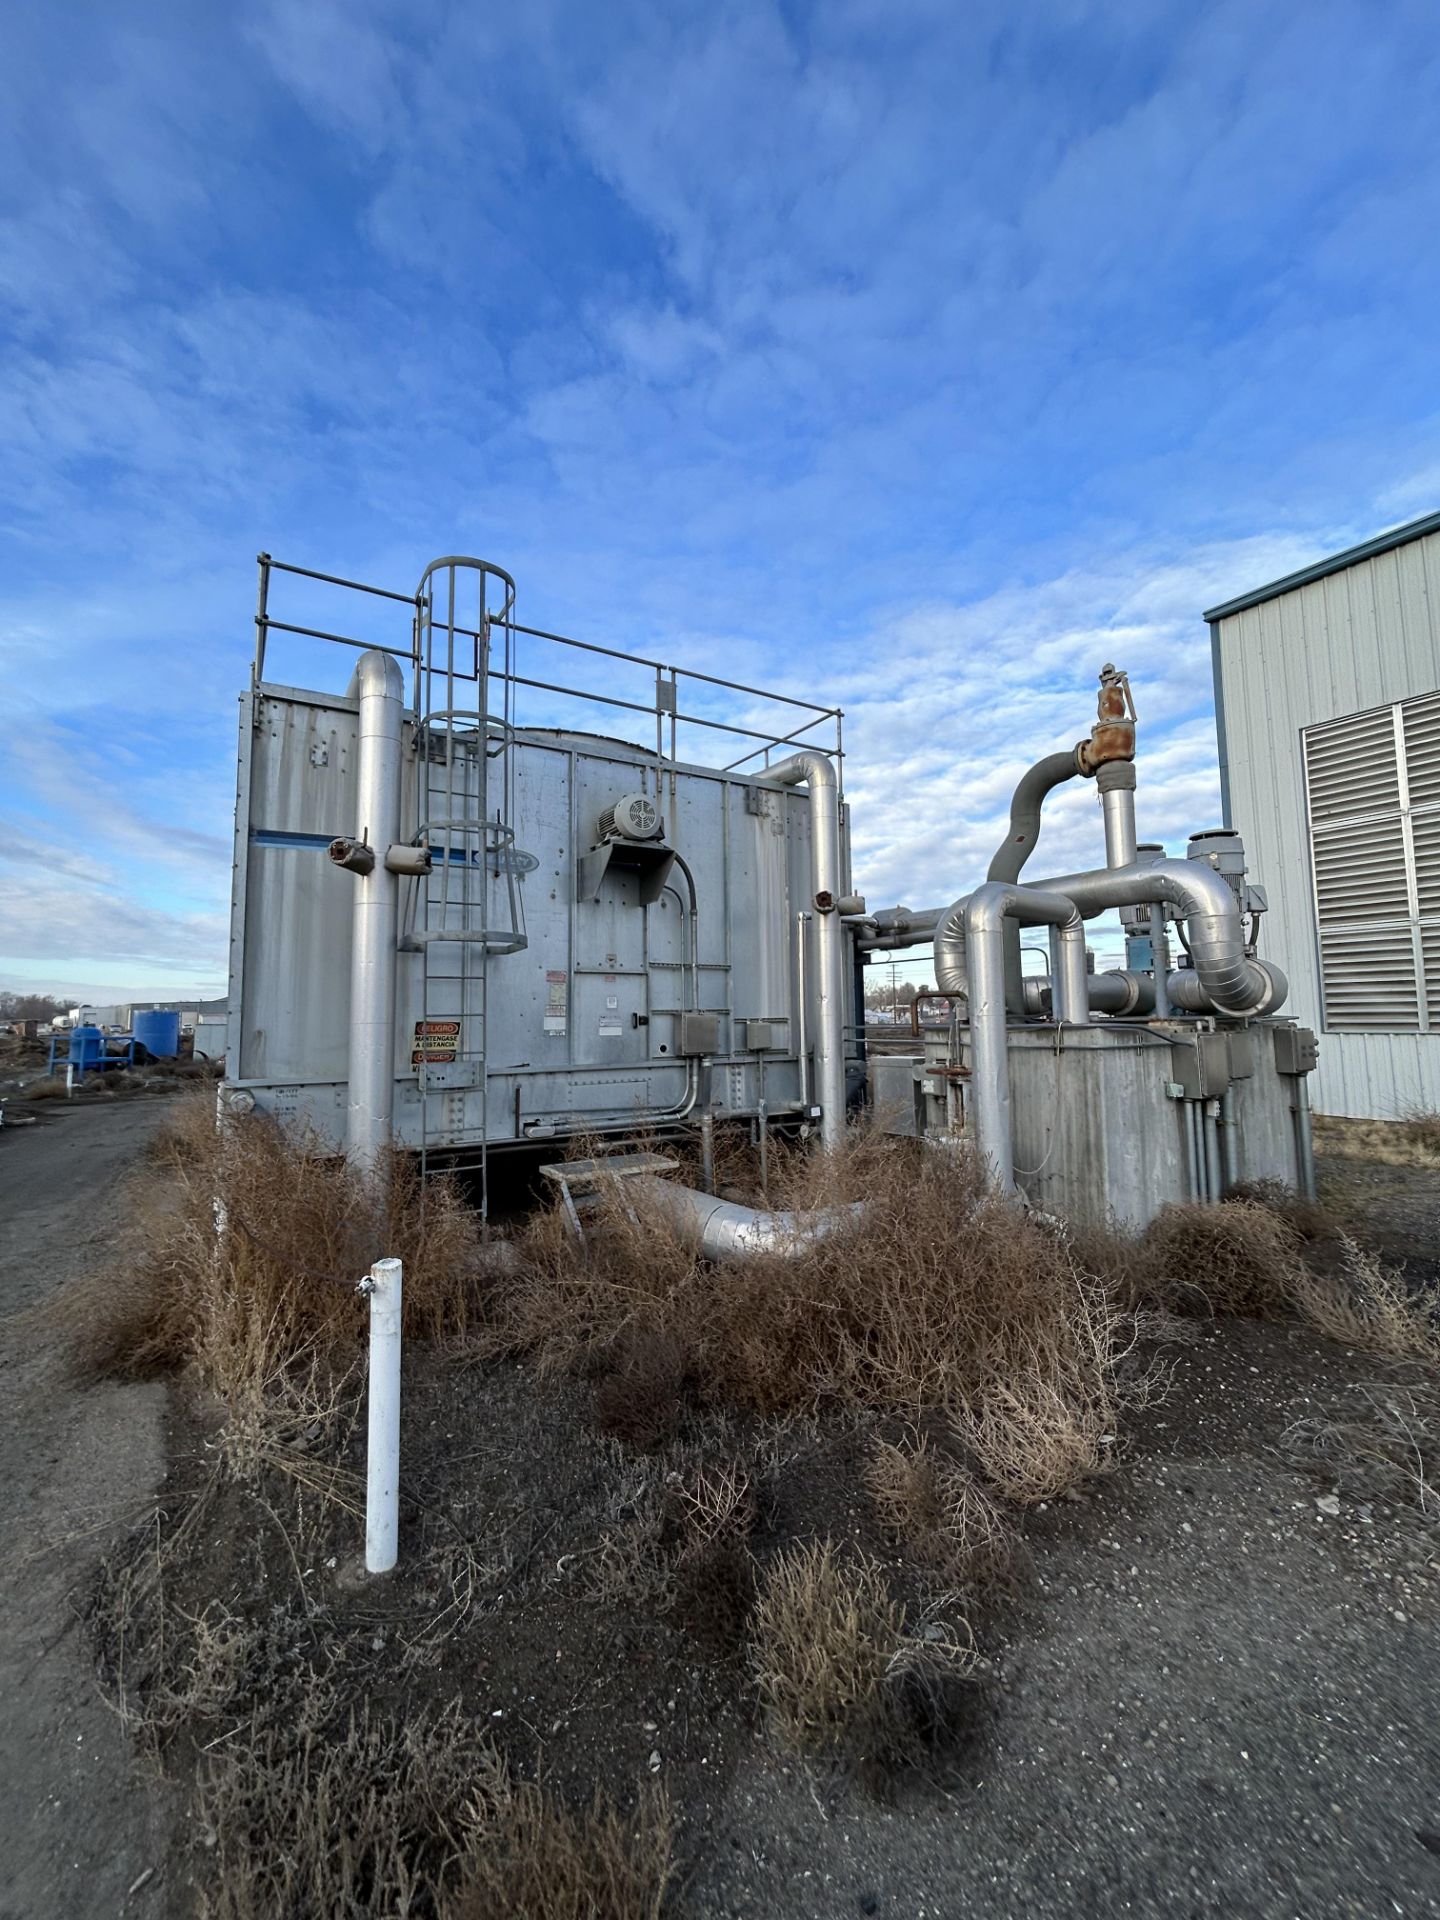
point(1372, 783)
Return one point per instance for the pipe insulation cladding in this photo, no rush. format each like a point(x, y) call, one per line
point(984, 915)
point(370, 1111)
point(722, 1231)
point(818, 773)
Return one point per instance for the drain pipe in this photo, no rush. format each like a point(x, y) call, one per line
point(370, 1113)
point(722, 1231)
point(984, 915)
point(384, 1286)
point(816, 772)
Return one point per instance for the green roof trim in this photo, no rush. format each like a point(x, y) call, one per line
point(1367, 550)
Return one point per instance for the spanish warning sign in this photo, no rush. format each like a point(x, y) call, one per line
point(436, 1041)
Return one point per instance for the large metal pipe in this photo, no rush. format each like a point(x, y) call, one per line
point(984, 915)
point(1117, 992)
point(1019, 843)
point(815, 771)
point(1203, 900)
point(1185, 990)
point(1116, 781)
point(721, 1230)
point(370, 1112)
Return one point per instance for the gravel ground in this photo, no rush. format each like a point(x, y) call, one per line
point(78, 1829)
point(1223, 1699)
point(1216, 1693)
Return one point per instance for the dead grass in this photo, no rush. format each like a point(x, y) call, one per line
point(243, 1251)
point(1242, 1257)
point(1366, 1304)
point(837, 1666)
point(936, 1298)
point(1385, 1445)
point(1411, 1141)
point(533, 1859)
point(940, 1511)
point(1311, 1222)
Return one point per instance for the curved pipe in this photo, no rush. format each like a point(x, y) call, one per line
point(371, 1099)
point(1186, 990)
point(815, 771)
point(721, 1230)
point(1019, 843)
point(984, 916)
point(1025, 804)
point(1203, 900)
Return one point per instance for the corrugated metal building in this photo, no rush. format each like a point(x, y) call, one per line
point(1327, 699)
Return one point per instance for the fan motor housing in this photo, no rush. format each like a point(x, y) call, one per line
point(635, 816)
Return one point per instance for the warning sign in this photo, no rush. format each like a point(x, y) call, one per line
point(436, 1042)
point(556, 1000)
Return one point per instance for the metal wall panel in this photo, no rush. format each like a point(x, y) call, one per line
point(1354, 640)
point(581, 1027)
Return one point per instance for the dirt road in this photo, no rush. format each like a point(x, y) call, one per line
point(76, 1830)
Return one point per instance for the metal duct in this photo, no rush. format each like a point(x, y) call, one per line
point(818, 773)
point(720, 1230)
point(984, 915)
point(370, 1110)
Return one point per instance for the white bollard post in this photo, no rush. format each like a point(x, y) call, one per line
point(382, 1474)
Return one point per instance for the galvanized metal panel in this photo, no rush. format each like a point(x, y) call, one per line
point(1336, 645)
point(579, 1028)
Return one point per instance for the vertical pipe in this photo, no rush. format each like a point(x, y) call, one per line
point(1210, 1133)
point(802, 999)
point(1229, 1140)
point(382, 1440)
point(1159, 960)
point(1304, 1136)
point(764, 1130)
point(1072, 980)
point(372, 963)
point(990, 1057)
point(1192, 1153)
point(1116, 780)
point(818, 774)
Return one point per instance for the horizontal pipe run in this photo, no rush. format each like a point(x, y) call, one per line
point(723, 1231)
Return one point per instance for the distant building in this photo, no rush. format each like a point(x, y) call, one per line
point(1327, 697)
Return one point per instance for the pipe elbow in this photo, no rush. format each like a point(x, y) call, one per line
point(377, 674)
point(815, 770)
point(949, 944)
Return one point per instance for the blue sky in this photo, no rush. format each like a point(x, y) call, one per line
point(920, 356)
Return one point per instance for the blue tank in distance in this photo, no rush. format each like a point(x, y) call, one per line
point(158, 1032)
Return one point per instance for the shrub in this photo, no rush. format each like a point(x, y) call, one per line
point(241, 1264)
point(835, 1665)
point(935, 1297)
point(533, 1859)
point(939, 1510)
point(1241, 1257)
point(1366, 1304)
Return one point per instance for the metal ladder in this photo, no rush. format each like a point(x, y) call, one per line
point(463, 800)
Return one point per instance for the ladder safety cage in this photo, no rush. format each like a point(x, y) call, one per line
point(469, 906)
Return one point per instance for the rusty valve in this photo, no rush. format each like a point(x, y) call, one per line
point(1113, 735)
